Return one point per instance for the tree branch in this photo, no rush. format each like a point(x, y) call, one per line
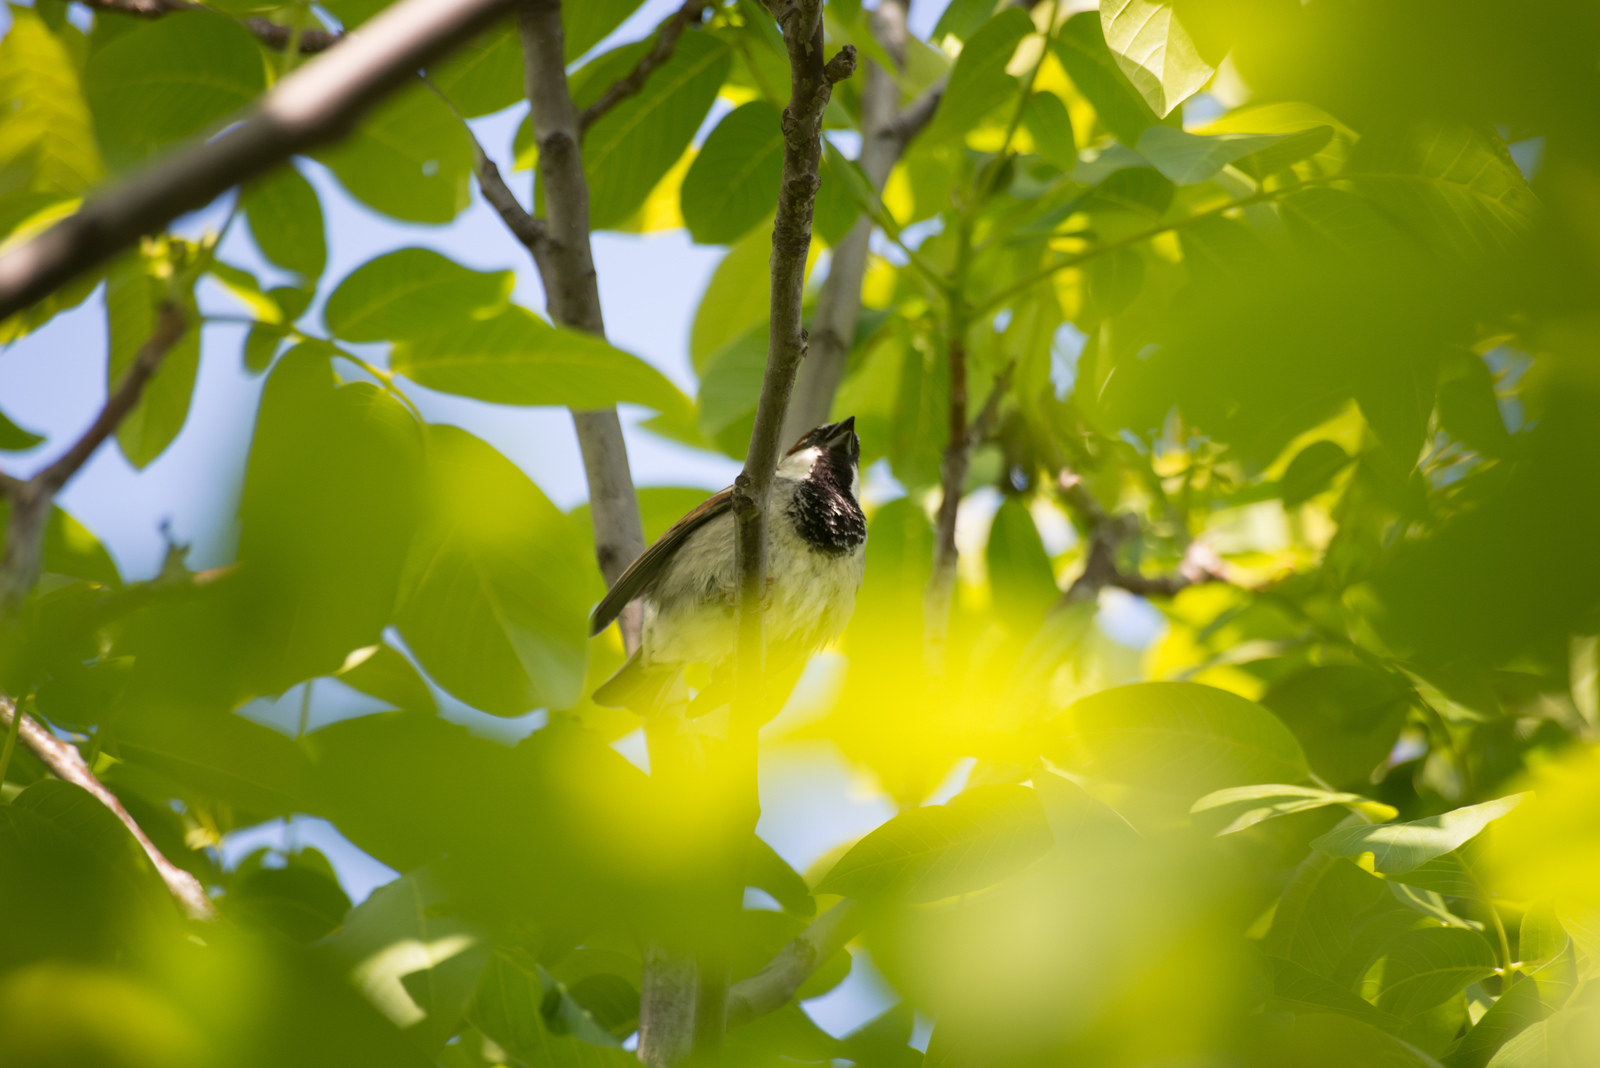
point(667, 35)
point(67, 764)
point(268, 33)
point(317, 103)
point(572, 293)
point(833, 323)
point(1106, 534)
point(952, 479)
point(32, 500)
point(773, 986)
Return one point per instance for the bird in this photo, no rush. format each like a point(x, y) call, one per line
point(687, 581)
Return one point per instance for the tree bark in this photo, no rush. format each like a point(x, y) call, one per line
point(572, 293)
point(318, 103)
point(883, 139)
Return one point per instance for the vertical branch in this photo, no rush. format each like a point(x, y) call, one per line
point(885, 132)
point(572, 292)
point(952, 477)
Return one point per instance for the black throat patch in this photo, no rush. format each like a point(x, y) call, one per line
point(824, 513)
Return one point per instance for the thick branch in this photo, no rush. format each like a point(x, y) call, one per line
point(316, 104)
point(773, 986)
point(666, 40)
point(268, 33)
point(67, 764)
point(572, 293)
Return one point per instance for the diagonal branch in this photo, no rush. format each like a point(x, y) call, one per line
point(666, 40)
point(772, 987)
point(67, 764)
point(318, 103)
point(267, 32)
point(572, 292)
point(32, 500)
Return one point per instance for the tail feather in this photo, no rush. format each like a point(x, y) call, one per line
point(635, 686)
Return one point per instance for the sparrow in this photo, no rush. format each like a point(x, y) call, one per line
point(687, 581)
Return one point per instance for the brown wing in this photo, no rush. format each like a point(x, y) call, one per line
point(643, 571)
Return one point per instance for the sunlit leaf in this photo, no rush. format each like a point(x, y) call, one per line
point(413, 291)
point(494, 602)
point(1188, 158)
point(978, 81)
point(410, 158)
point(286, 221)
point(47, 131)
point(733, 183)
point(1399, 847)
point(517, 358)
point(1081, 48)
point(484, 75)
point(1431, 964)
point(1154, 51)
point(133, 298)
point(1249, 805)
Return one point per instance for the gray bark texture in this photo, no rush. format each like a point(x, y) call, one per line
point(572, 292)
point(316, 104)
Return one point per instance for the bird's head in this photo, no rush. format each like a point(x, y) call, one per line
point(830, 450)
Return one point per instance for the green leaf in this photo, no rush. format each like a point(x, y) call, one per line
point(1188, 159)
point(1155, 52)
point(286, 220)
point(1326, 1039)
point(628, 151)
point(1081, 48)
point(1453, 184)
point(733, 183)
point(1310, 472)
point(1287, 151)
point(168, 79)
point(485, 74)
point(15, 439)
point(1249, 805)
point(768, 871)
point(70, 549)
point(589, 23)
point(1468, 407)
point(731, 385)
point(1021, 580)
point(1346, 716)
point(387, 675)
point(413, 291)
point(1115, 279)
point(260, 346)
point(1320, 910)
point(133, 297)
point(330, 502)
point(1175, 737)
point(47, 134)
point(1051, 128)
point(1399, 847)
point(1294, 989)
point(1142, 190)
point(508, 1007)
point(495, 599)
point(962, 18)
point(414, 960)
point(982, 836)
point(517, 358)
point(410, 159)
point(218, 757)
point(978, 81)
point(737, 298)
point(839, 204)
point(1431, 964)
point(296, 901)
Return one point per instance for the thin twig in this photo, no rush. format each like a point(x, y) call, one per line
point(67, 764)
point(773, 986)
point(32, 500)
point(667, 35)
point(268, 33)
point(1106, 534)
point(316, 104)
point(170, 326)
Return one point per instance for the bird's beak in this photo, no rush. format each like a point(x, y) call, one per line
point(841, 433)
